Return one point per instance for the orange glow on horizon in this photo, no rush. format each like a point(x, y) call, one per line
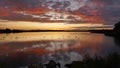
point(46, 26)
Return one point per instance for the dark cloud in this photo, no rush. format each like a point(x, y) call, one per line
point(107, 10)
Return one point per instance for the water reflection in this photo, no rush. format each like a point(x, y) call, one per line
point(20, 37)
point(117, 41)
point(22, 49)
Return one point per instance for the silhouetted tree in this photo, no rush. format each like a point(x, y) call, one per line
point(117, 27)
point(7, 30)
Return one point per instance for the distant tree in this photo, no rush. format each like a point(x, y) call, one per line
point(117, 27)
point(7, 30)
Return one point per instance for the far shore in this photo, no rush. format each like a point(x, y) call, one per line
point(19, 31)
point(106, 32)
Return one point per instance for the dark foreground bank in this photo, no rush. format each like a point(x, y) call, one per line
point(111, 61)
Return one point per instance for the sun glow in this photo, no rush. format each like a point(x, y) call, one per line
point(45, 26)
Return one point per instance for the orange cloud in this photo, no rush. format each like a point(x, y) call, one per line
point(4, 12)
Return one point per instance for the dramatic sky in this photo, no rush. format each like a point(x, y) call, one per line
point(68, 11)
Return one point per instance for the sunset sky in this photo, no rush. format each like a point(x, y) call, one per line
point(58, 14)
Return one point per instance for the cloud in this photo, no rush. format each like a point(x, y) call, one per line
point(92, 10)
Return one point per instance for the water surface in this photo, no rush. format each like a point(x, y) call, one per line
point(22, 49)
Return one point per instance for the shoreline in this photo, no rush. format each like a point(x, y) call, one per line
point(105, 32)
point(20, 31)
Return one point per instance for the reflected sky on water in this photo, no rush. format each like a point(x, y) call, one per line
point(23, 49)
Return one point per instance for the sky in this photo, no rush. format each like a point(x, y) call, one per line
point(59, 11)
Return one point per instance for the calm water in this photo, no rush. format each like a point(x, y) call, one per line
point(23, 49)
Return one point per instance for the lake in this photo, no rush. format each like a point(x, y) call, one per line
point(18, 50)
